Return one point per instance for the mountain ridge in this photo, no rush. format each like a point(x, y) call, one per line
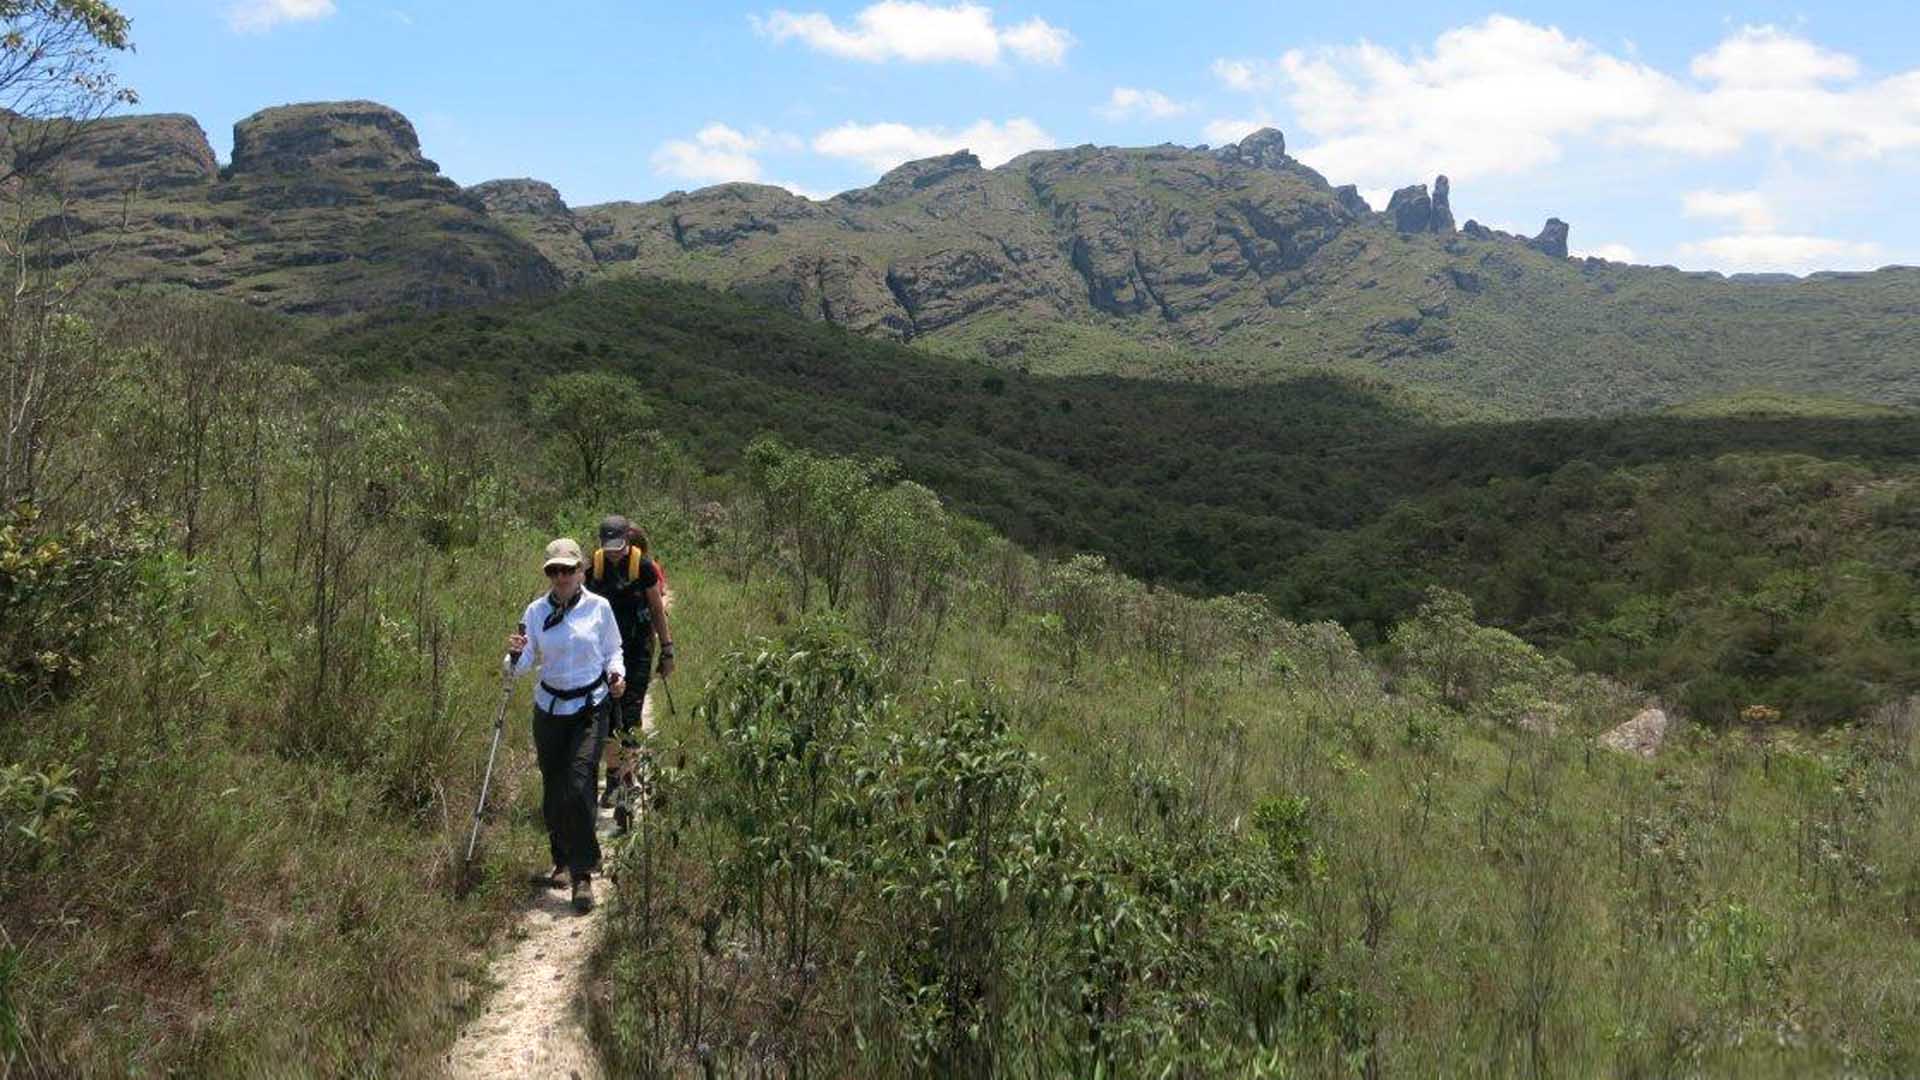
point(1236, 264)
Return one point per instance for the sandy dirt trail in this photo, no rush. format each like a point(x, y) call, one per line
point(531, 1026)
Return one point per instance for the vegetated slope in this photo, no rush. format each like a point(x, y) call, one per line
point(1229, 265)
point(326, 209)
point(1342, 496)
point(1238, 264)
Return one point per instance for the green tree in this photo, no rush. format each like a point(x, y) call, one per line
point(55, 75)
point(590, 413)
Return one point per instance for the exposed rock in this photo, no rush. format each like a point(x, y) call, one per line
point(537, 214)
point(904, 180)
point(1442, 220)
point(353, 135)
point(147, 154)
point(1264, 149)
point(1641, 735)
point(534, 198)
point(1552, 239)
point(1350, 197)
point(726, 214)
point(1411, 209)
point(1476, 230)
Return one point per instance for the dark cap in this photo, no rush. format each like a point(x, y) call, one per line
point(614, 527)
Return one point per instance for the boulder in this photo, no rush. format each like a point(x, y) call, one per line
point(1351, 199)
point(1264, 149)
point(1476, 230)
point(1552, 239)
point(1442, 219)
point(1641, 735)
point(1411, 209)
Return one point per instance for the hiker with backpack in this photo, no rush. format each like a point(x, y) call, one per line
point(572, 636)
point(623, 574)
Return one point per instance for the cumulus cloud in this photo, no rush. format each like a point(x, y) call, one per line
point(920, 33)
point(258, 16)
point(1619, 253)
point(1751, 210)
point(1127, 101)
point(1757, 252)
point(715, 154)
point(1233, 129)
point(1506, 96)
point(882, 146)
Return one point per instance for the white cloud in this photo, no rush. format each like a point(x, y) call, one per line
point(1241, 75)
point(1750, 209)
point(882, 146)
point(1038, 42)
point(920, 33)
point(1127, 101)
point(258, 16)
point(1506, 96)
point(717, 153)
point(1619, 253)
point(1222, 132)
point(1759, 252)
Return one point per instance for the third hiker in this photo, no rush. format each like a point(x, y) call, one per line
point(622, 573)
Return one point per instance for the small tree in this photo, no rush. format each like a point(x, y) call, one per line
point(54, 77)
point(590, 413)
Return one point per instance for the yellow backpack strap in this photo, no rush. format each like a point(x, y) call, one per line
point(633, 563)
point(599, 563)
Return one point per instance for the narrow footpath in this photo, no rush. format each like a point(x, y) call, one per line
point(531, 1025)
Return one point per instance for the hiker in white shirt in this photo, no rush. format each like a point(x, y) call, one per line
point(570, 634)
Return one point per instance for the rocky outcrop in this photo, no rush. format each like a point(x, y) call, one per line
point(359, 136)
point(905, 180)
point(147, 155)
point(1350, 198)
point(1411, 209)
point(723, 216)
point(537, 214)
point(1552, 239)
point(332, 208)
point(325, 209)
point(1641, 736)
point(523, 197)
point(1442, 219)
point(1476, 230)
point(1264, 149)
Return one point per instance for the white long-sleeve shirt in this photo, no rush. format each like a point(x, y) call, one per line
point(577, 650)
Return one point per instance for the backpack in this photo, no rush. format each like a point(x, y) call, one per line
point(643, 614)
point(634, 558)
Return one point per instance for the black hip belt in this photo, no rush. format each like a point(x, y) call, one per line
point(577, 692)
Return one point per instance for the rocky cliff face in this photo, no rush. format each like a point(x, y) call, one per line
point(325, 209)
point(137, 155)
point(1207, 263)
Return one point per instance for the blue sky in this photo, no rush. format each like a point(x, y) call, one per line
point(1748, 136)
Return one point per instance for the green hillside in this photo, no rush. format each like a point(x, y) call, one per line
point(1231, 266)
point(1638, 545)
point(978, 812)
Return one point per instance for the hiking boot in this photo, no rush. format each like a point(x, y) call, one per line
point(613, 787)
point(583, 895)
point(555, 878)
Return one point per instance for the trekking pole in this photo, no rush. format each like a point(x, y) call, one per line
point(499, 723)
point(667, 685)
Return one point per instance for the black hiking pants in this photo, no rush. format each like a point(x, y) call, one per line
point(568, 748)
point(625, 724)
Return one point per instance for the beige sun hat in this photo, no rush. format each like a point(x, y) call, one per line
point(563, 552)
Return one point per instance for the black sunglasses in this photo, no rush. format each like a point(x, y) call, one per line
point(560, 571)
